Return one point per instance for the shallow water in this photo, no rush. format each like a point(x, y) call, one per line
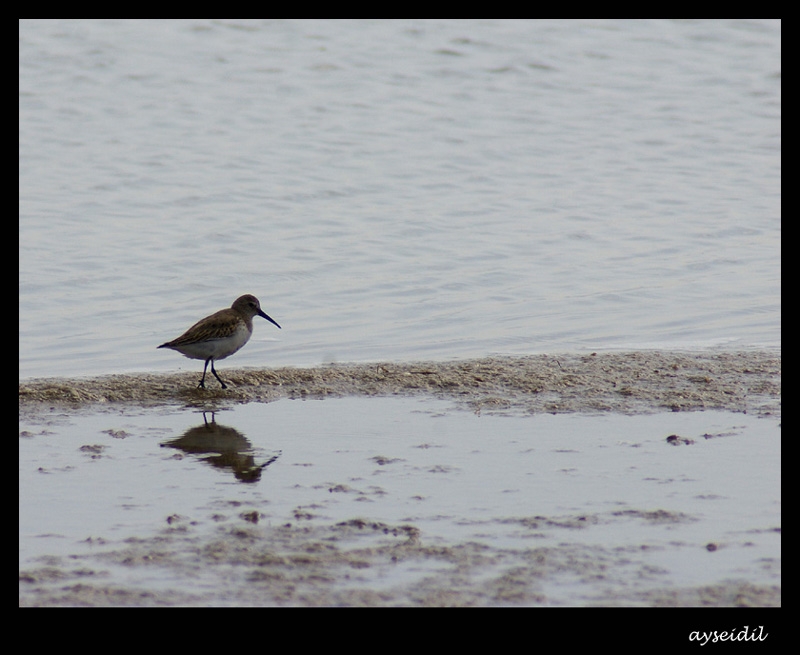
point(609, 509)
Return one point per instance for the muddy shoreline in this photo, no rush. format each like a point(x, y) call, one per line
point(307, 559)
point(630, 383)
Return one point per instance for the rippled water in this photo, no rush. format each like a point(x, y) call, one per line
point(396, 189)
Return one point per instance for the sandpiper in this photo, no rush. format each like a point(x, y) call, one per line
point(220, 335)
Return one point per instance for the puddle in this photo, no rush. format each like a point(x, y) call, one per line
point(407, 501)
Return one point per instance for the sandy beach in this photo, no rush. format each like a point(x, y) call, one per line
point(629, 383)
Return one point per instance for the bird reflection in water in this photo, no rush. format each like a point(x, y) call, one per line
point(222, 447)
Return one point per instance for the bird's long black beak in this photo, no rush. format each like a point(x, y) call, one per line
point(263, 315)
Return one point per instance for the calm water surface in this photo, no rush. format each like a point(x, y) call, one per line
point(396, 189)
point(610, 484)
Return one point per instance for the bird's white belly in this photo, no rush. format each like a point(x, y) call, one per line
point(217, 348)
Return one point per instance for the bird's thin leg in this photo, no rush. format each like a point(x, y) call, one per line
point(202, 384)
point(214, 371)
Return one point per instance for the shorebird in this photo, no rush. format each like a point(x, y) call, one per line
point(220, 335)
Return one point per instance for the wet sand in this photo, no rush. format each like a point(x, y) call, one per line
point(309, 561)
point(630, 383)
point(342, 565)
